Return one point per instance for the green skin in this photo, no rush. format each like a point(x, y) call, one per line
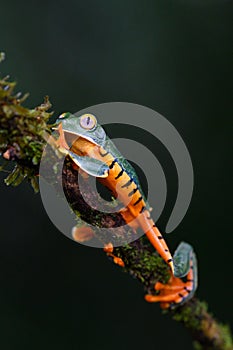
point(72, 125)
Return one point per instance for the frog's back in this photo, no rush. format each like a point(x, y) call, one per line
point(125, 165)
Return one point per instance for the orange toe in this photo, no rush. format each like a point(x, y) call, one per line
point(82, 234)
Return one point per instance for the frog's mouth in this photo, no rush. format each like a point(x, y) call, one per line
point(71, 137)
point(77, 136)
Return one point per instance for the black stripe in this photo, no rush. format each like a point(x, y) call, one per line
point(166, 250)
point(133, 191)
point(120, 174)
point(187, 290)
point(154, 225)
point(169, 260)
point(160, 237)
point(143, 208)
point(127, 183)
point(103, 154)
point(138, 201)
point(189, 280)
point(180, 295)
point(112, 164)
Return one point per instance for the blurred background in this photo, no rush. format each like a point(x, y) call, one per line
point(171, 56)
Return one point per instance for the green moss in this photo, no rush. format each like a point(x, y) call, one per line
point(142, 262)
point(197, 346)
point(190, 315)
point(21, 133)
point(226, 336)
point(186, 316)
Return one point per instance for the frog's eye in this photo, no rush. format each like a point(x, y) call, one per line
point(88, 121)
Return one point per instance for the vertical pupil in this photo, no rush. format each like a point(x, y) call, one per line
point(88, 120)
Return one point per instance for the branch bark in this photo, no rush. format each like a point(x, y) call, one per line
point(21, 143)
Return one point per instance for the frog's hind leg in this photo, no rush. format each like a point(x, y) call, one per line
point(83, 234)
point(129, 218)
point(178, 290)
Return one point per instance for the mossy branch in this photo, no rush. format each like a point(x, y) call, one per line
point(22, 140)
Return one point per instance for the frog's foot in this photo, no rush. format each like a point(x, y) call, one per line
point(61, 141)
point(82, 234)
point(108, 248)
point(177, 291)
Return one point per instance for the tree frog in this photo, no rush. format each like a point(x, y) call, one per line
point(96, 155)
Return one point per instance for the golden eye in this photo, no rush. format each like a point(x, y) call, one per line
point(88, 121)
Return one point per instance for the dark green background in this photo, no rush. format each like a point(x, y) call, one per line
point(172, 56)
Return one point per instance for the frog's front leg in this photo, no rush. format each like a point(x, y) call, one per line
point(109, 251)
point(178, 290)
point(82, 233)
point(61, 141)
point(90, 166)
point(85, 233)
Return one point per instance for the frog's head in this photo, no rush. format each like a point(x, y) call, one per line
point(85, 126)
